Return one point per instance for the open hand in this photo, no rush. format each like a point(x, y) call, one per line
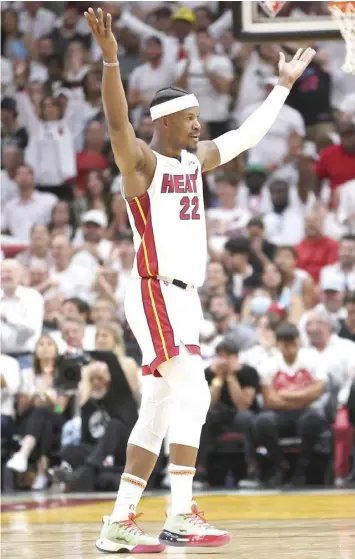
point(289, 72)
point(103, 33)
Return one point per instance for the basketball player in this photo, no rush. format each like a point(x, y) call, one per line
point(162, 186)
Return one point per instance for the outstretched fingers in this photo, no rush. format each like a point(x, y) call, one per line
point(91, 19)
point(298, 54)
point(100, 18)
point(307, 56)
point(108, 23)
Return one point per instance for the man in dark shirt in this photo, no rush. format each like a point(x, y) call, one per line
point(347, 329)
point(11, 133)
point(244, 277)
point(234, 388)
point(67, 33)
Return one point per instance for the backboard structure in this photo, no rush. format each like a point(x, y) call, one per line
point(296, 21)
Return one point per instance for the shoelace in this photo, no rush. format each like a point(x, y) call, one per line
point(196, 517)
point(130, 525)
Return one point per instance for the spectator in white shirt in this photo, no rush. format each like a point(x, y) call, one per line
point(66, 278)
point(11, 160)
point(22, 311)
point(226, 219)
point(337, 356)
point(156, 73)
point(92, 249)
point(38, 250)
point(291, 382)
point(36, 21)
point(284, 139)
point(284, 225)
point(253, 194)
point(345, 268)
point(346, 207)
point(73, 333)
point(28, 208)
point(75, 308)
point(331, 303)
point(209, 76)
point(10, 384)
point(51, 148)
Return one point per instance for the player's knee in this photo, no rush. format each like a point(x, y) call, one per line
point(154, 418)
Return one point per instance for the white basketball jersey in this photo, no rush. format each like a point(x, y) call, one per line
point(168, 222)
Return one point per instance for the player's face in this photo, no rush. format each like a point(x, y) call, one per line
point(185, 128)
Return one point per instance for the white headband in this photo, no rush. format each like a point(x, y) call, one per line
point(173, 106)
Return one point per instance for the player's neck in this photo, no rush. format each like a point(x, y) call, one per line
point(162, 147)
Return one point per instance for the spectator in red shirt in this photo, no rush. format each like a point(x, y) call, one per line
point(337, 163)
point(92, 157)
point(316, 250)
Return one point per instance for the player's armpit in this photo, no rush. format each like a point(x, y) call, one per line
point(136, 179)
point(208, 155)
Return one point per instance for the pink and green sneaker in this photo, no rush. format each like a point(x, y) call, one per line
point(192, 530)
point(126, 536)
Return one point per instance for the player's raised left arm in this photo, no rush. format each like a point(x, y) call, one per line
point(225, 148)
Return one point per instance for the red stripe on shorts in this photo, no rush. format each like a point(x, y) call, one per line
point(159, 324)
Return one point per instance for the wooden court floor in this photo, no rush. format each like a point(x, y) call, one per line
point(264, 526)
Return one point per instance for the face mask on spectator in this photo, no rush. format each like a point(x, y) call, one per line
point(260, 304)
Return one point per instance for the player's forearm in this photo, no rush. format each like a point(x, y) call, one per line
point(254, 128)
point(113, 97)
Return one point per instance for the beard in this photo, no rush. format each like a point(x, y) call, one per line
point(279, 207)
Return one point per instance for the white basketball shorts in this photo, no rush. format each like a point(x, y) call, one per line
point(162, 316)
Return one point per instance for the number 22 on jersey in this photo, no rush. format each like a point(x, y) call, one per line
point(189, 208)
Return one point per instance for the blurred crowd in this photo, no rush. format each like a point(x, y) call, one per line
point(278, 336)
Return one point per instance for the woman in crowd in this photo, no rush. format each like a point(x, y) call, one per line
point(76, 67)
point(12, 44)
point(96, 194)
point(298, 281)
point(41, 411)
point(50, 150)
point(63, 220)
point(119, 221)
point(110, 338)
point(275, 291)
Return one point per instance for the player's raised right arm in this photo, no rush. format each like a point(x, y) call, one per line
point(128, 151)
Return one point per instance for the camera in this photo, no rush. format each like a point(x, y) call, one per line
point(68, 371)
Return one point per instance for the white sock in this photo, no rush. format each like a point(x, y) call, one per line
point(128, 496)
point(181, 488)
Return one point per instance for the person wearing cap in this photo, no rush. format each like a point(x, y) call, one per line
point(291, 382)
point(283, 142)
point(182, 41)
point(92, 249)
point(11, 132)
point(331, 303)
point(337, 356)
point(234, 387)
point(253, 193)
